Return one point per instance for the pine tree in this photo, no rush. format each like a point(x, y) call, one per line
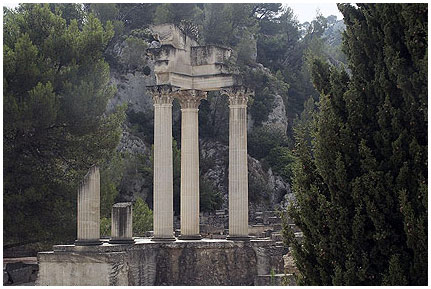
point(56, 86)
point(362, 203)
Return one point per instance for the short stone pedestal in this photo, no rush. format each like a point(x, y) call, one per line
point(89, 209)
point(121, 226)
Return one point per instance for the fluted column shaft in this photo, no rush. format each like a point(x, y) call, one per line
point(238, 169)
point(89, 209)
point(190, 100)
point(163, 163)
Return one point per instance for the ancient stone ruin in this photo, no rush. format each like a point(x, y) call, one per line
point(89, 209)
point(121, 228)
point(186, 71)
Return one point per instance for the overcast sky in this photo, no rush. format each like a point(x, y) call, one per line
point(305, 9)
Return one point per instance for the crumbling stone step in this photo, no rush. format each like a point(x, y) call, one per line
point(277, 227)
point(274, 220)
point(275, 280)
point(277, 237)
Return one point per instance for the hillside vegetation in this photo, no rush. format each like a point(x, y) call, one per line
point(337, 128)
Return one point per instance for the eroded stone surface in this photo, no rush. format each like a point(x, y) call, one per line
point(180, 61)
point(277, 117)
point(203, 262)
point(121, 228)
point(89, 208)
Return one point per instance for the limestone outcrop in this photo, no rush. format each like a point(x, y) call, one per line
point(266, 190)
point(277, 117)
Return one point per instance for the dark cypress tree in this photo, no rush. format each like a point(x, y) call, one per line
point(361, 183)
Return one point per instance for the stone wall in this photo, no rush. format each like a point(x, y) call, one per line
point(203, 262)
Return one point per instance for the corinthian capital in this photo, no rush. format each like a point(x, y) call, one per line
point(190, 98)
point(238, 95)
point(162, 94)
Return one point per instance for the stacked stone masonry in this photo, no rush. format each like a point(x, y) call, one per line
point(200, 262)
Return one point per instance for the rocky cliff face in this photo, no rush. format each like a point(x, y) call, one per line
point(266, 190)
point(277, 117)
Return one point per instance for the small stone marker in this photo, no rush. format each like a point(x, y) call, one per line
point(121, 229)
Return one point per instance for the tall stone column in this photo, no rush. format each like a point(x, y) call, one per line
point(89, 209)
point(163, 208)
point(190, 100)
point(238, 170)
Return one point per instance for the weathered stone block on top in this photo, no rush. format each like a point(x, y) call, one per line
point(209, 54)
point(181, 61)
point(170, 34)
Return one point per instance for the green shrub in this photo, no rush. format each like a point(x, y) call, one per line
point(142, 217)
point(210, 199)
point(263, 139)
point(134, 52)
point(281, 161)
point(105, 227)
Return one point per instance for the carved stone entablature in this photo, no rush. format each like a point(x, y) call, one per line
point(181, 61)
point(163, 94)
point(190, 98)
point(238, 95)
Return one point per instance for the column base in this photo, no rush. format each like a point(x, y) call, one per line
point(238, 238)
point(121, 241)
point(190, 237)
point(88, 242)
point(163, 239)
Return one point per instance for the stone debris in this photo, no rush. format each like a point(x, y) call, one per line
point(17, 272)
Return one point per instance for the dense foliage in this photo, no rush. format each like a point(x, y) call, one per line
point(142, 217)
point(361, 172)
point(55, 89)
